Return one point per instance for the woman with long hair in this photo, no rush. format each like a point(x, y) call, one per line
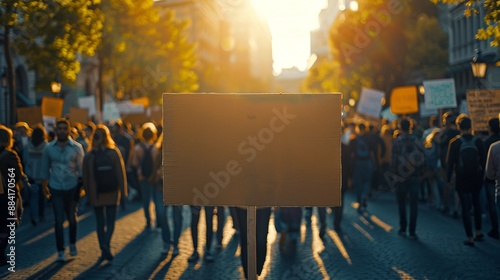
point(10, 167)
point(105, 182)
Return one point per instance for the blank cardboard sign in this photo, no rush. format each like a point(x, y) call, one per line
point(252, 149)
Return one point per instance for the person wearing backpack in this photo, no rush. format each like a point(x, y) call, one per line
point(407, 165)
point(142, 161)
point(105, 183)
point(466, 157)
point(61, 170)
point(362, 156)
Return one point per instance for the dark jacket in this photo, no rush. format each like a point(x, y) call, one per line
point(463, 182)
point(10, 165)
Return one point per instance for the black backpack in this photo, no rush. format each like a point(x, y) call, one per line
point(147, 161)
point(104, 172)
point(468, 159)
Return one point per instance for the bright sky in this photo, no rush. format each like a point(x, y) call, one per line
point(290, 22)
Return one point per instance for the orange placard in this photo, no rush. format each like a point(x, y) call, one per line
point(31, 115)
point(404, 100)
point(52, 107)
point(144, 101)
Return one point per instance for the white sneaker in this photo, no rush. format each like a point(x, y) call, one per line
point(61, 257)
point(166, 248)
point(72, 250)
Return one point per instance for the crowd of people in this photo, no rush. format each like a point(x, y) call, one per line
point(447, 165)
point(104, 166)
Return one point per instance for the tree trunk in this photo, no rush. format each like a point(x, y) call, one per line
point(11, 78)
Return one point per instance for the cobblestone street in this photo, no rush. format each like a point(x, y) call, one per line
point(368, 248)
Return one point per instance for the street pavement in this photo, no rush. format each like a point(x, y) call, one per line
point(367, 248)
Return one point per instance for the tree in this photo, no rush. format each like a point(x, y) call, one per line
point(382, 46)
point(49, 35)
point(491, 18)
point(143, 53)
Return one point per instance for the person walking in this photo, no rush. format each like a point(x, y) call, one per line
point(10, 167)
point(163, 217)
point(466, 157)
point(105, 182)
point(61, 172)
point(407, 163)
point(33, 163)
point(489, 184)
point(142, 161)
point(492, 172)
point(362, 157)
point(195, 217)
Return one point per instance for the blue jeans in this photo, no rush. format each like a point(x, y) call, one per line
point(408, 188)
point(149, 193)
point(105, 220)
point(162, 219)
point(64, 204)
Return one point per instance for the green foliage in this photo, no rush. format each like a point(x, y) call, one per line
point(143, 54)
point(383, 45)
point(50, 34)
point(491, 18)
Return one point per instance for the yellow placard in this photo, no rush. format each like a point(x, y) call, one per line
point(31, 115)
point(144, 101)
point(404, 100)
point(52, 107)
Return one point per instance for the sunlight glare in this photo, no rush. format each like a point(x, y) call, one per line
point(290, 23)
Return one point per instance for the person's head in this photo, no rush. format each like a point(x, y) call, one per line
point(89, 128)
point(118, 128)
point(405, 125)
point(361, 128)
point(494, 125)
point(23, 129)
point(101, 137)
point(448, 119)
point(148, 132)
point(6, 140)
point(39, 135)
point(62, 130)
point(464, 124)
point(433, 121)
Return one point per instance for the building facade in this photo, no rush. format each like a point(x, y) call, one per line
point(463, 47)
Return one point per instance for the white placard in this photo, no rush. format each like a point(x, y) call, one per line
point(111, 112)
point(49, 123)
point(89, 103)
point(426, 112)
point(370, 102)
point(440, 94)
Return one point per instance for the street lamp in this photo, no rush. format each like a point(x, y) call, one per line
point(55, 86)
point(478, 65)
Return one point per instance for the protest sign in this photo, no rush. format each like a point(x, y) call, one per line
point(440, 94)
point(404, 100)
point(483, 104)
point(370, 102)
